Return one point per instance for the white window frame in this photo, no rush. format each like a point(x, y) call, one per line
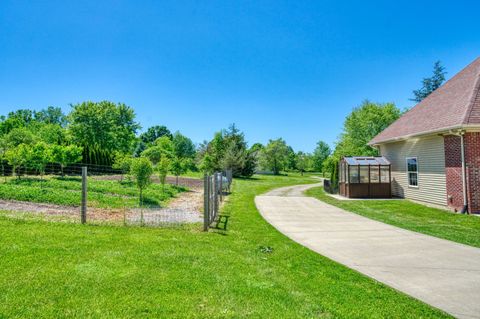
point(411, 172)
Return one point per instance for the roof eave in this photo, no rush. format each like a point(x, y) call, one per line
point(425, 133)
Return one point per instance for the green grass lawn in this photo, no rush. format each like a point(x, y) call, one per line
point(101, 193)
point(70, 270)
point(464, 229)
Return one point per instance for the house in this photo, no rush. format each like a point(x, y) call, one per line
point(434, 148)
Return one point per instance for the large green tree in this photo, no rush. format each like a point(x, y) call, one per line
point(430, 84)
point(51, 115)
point(147, 138)
point(183, 146)
point(320, 154)
point(274, 155)
point(228, 150)
point(363, 124)
point(102, 129)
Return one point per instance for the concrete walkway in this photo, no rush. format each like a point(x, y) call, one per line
point(439, 272)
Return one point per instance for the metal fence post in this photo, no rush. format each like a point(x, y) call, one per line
point(206, 205)
point(83, 213)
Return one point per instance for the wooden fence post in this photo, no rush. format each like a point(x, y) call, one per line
point(206, 205)
point(83, 213)
point(215, 196)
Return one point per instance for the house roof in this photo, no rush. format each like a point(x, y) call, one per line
point(454, 105)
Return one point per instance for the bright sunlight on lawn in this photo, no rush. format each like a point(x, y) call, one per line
point(463, 229)
point(71, 270)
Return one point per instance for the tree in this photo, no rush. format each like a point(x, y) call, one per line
point(274, 155)
point(291, 161)
point(102, 129)
point(228, 150)
point(51, 115)
point(430, 84)
point(16, 157)
point(178, 167)
point(147, 138)
point(3, 150)
point(320, 154)
point(38, 156)
point(302, 162)
point(155, 132)
point(141, 169)
point(363, 124)
point(162, 147)
point(162, 168)
point(234, 159)
point(183, 146)
point(122, 162)
point(20, 135)
point(66, 154)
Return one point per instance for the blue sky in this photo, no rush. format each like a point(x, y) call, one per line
point(291, 69)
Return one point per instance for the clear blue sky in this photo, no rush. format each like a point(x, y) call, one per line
point(291, 69)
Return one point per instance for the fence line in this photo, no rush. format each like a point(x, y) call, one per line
point(215, 187)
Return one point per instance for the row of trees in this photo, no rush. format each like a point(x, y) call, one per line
point(93, 132)
point(229, 150)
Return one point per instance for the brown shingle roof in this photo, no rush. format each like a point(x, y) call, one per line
point(453, 105)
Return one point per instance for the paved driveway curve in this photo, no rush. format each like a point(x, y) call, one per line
point(439, 272)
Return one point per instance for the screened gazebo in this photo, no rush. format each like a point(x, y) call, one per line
point(365, 177)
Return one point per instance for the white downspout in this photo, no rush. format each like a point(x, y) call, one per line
point(464, 174)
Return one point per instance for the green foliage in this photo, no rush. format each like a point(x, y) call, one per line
point(162, 147)
point(228, 150)
point(66, 154)
point(155, 132)
point(362, 125)
point(16, 157)
point(320, 154)
point(102, 129)
point(178, 166)
point(20, 135)
point(122, 162)
point(430, 84)
point(162, 169)
point(303, 162)
point(49, 133)
point(183, 146)
point(291, 160)
point(38, 156)
point(274, 156)
point(147, 138)
point(141, 170)
point(51, 115)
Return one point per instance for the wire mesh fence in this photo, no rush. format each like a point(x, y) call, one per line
point(216, 186)
point(108, 195)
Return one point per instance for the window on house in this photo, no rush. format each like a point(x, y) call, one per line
point(412, 171)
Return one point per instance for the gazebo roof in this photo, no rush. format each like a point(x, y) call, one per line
point(366, 160)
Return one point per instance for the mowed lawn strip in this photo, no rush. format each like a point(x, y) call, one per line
point(101, 193)
point(440, 223)
point(68, 270)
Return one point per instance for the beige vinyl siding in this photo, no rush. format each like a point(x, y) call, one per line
point(431, 169)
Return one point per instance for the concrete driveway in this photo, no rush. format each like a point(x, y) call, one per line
point(439, 272)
